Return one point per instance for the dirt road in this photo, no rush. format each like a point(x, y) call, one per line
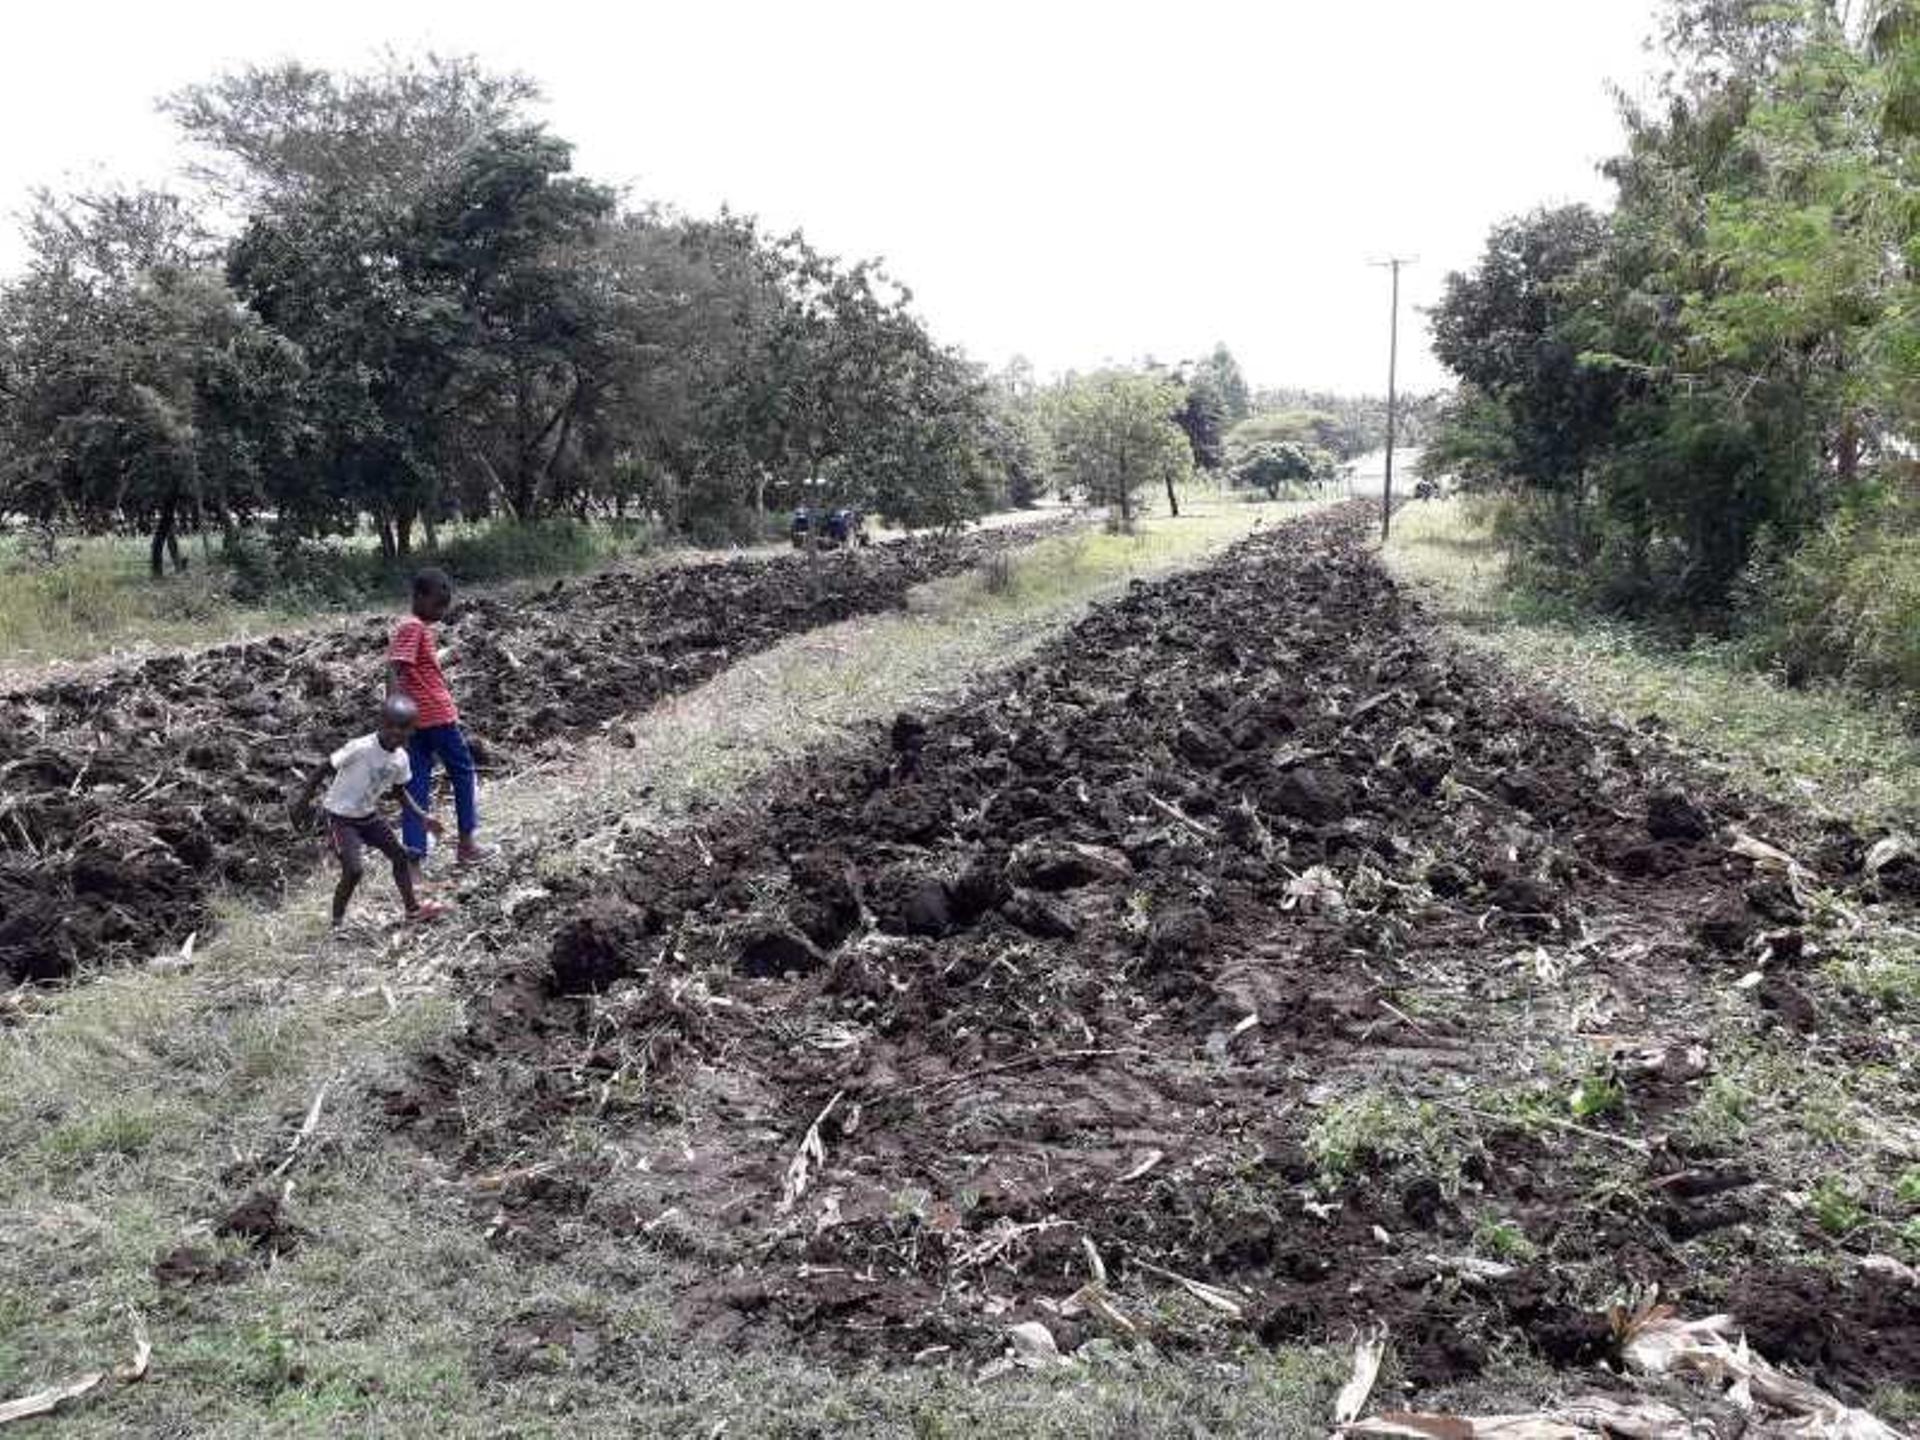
point(1248, 946)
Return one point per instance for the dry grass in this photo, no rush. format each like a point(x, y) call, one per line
point(127, 1105)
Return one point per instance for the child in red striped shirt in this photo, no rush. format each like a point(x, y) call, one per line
point(414, 671)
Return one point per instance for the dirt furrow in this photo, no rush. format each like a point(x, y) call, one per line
point(127, 800)
point(1244, 939)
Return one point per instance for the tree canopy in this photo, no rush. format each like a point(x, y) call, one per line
point(1725, 359)
point(423, 312)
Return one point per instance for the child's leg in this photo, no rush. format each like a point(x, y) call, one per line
point(380, 836)
point(348, 846)
point(420, 786)
point(458, 759)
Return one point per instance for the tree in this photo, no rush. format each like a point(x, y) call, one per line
point(1221, 372)
point(503, 245)
point(1203, 417)
point(1112, 434)
point(289, 135)
point(137, 390)
point(1503, 328)
point(1274, 465)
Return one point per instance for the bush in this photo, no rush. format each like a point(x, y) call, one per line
point(1845, 605)
point(333, 573)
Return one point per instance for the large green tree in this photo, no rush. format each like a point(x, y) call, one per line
point(136, 390)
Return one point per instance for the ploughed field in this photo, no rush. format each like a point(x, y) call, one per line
point(127, 800)
point(1246, 967)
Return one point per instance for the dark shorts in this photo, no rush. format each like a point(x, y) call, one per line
point(350, 839)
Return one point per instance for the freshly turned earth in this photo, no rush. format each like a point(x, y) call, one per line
point(1242, 843)
point(127, 799)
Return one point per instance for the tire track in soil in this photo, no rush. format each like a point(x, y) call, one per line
point(128, 799)
point(1009, 951)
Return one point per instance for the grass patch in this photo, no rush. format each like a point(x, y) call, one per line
point(1836, 748)
point(1889, 976)
point(1503, 1240)
point(1377, 1129)
point(97, 595)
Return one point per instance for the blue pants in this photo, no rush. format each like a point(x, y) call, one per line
point(446, 744)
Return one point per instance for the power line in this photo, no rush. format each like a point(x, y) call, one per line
point(1393, 263)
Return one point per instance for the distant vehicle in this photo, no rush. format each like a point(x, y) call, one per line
point(836, 527)
point(1426, 490)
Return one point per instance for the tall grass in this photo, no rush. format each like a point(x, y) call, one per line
point(96, 595)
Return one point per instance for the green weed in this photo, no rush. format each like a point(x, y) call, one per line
point(1906, 1189)
point(1499, 1239)
point(1378, 1128)
point(1896, 1404)
point(1722, 1116)
point(1596, 1094)
point(1835, 1206)
point(1889, 978)
point(115, 1130)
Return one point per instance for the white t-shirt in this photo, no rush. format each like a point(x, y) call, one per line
point(363, 773)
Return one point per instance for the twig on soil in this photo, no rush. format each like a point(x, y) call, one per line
point(999, 1239)
point(1402, 1016)
point(1176, 814)
point(1207, 1294)
point(45, 1402)
point(1367, 1355)
point(501, 1179)
point(1639, 1147)
point(307, 1127)
point(812, 1152)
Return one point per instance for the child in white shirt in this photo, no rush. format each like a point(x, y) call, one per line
point(364, 772)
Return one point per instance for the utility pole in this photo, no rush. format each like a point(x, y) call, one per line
point(1393, 263)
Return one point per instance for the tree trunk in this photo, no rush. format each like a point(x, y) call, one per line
point(403, 534)
point(432, 528)
point(1846, 451)
point(388, 550)
point(1173, 500)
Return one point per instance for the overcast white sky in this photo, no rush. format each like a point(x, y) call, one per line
point(1072, 180)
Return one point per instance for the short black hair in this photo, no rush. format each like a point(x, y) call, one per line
point(432, 582)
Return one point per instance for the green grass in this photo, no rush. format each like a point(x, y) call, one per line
point(1375, 1130)
point(137, 1108)
point(1845, 754)
point(98, 596)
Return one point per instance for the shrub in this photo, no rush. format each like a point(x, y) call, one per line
point(1846, 604)
point(326, 574)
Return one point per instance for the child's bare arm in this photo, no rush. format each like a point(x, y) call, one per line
point(408, 803)
point(397, 677)
point(303, 798)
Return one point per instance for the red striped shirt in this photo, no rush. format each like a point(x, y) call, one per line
point(413, 650)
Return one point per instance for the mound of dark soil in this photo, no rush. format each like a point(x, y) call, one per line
point(1131, 938)
point(127, 799)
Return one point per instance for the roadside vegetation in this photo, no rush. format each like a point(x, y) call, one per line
point(1698, 406)
point(95, 596)
point(1846, 753)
